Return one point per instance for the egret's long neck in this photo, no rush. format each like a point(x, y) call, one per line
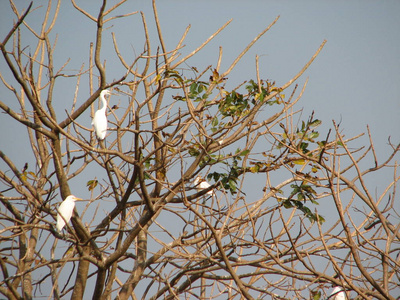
point(104, 101)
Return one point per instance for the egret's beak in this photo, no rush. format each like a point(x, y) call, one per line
point(79, 199)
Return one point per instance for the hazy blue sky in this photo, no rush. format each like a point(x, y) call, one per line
point(355, 80)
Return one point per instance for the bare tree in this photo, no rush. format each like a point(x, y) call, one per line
point(150, 230)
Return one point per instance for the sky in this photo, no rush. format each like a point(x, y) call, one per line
point(354, 81)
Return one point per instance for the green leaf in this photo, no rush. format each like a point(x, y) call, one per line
point(91, 184)
point(317, 296)
point(244, 152)
point(147, 163)
point(200, 88)
point(299, 161)
point(193, 152)
point(214, 122)
point(193, 88)
point(287, 204)
point(303, 147)
point(232, 185)
point(314, 135)
point(315, 123)
point(255, 169)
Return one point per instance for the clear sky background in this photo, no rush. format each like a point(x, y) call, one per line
point(355, 79)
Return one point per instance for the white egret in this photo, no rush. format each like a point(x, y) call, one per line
point(65, 211)
point(337, 294)
point(201, 184)
point(100, 117)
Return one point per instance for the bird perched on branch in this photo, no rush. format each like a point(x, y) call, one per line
point(65, 211)
point(337, 294)
point(100, 117)
point(201, 184)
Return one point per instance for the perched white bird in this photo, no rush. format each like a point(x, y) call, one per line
point(100, 118)
point(337, 294)
point(201, 184)
point(65, 211)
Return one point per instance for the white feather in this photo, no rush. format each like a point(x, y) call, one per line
point(202, 184)
point(65, 211)
point(339, 294)
point(99, 121)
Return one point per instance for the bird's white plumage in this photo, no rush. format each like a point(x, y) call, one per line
point(338, 294)
point(65, 210)
point(100, 118)
point(201, 184)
